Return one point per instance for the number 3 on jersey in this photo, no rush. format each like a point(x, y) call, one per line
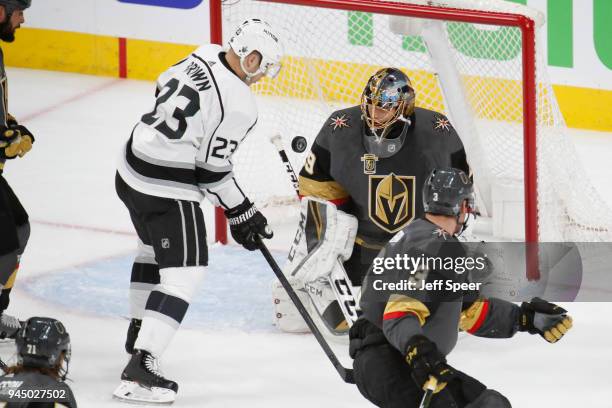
point(180, 114)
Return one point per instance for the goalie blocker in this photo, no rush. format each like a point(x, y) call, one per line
point(323, 241)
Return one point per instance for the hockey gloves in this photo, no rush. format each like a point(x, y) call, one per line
point(546, 319)
point(425, 360)
point(246, 223)
point(16, 140)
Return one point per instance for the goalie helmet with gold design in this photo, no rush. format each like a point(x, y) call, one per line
point(387, 104)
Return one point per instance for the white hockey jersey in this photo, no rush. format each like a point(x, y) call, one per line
point(182, 149)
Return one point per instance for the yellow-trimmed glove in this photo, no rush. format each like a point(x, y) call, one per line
point(10, 142)
point(425, 360)
point(26, 141)
point(546, 319)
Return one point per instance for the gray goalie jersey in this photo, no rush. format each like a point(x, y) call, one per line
point(182, 149)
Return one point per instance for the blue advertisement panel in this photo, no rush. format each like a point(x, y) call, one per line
point(181, 4)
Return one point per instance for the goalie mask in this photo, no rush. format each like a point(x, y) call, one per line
point(257, 35)
point(387, 104)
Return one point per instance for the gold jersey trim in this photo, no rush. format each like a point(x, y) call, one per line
point(404, 304)
point(326, 190)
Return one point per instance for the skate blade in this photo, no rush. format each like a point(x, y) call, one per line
point(131, 392)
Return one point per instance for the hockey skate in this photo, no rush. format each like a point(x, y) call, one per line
point(132, 334)
point(143, 382)
point(9, 326)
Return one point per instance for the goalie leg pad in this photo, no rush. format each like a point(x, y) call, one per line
point(327, 307)
point(325, 235)
point(286, 316)
point(324, 239)
point(318, 299)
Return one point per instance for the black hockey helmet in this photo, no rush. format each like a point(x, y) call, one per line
point(44, 342)
point(12, 5)
point(444, 191)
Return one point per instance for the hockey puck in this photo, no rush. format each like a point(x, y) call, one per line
point(299, 144)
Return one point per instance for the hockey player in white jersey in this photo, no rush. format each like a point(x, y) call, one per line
point(178, 154)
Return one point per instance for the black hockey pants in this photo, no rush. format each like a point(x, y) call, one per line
point(383, 376)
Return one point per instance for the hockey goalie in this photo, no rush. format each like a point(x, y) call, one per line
point(323, 241)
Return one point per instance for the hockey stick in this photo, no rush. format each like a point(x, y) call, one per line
point(278, 143)
point(345, 373)
point(339, 281)
point(430, 387)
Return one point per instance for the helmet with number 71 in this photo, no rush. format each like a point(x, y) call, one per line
point(257, 35)
point(43, 342)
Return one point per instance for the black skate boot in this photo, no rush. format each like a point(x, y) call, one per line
point(142, 381)
point(9, 326)
point(132, 334)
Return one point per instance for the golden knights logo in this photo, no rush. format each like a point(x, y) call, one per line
point(369, 163)
point(391, 201)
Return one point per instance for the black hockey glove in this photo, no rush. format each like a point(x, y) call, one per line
point(546, 319)
point(10, 142)
point(246, 222)
point(425, 360)
point(16, 140)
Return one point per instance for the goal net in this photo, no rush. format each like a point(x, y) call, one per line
point(470, 60)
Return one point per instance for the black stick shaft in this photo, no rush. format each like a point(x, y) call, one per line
point(345, 373)
point(431, 385)
point(288, 167)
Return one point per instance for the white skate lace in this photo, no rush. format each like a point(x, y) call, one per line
point(9, 321)
point(153, 366)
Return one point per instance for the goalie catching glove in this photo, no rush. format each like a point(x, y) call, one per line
point(246, 223)
point(546, 319)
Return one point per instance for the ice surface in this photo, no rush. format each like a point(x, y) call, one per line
point(77, 266)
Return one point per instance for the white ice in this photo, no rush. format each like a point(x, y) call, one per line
point(77, 267)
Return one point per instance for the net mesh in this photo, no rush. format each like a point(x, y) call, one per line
point(330, 54)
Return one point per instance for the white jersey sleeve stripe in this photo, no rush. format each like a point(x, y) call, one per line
point(224, 177)
point(159, 162)
point(142, 183)
point(212, 167)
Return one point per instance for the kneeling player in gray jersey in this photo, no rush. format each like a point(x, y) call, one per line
point(405, 333)
point(43, 349)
